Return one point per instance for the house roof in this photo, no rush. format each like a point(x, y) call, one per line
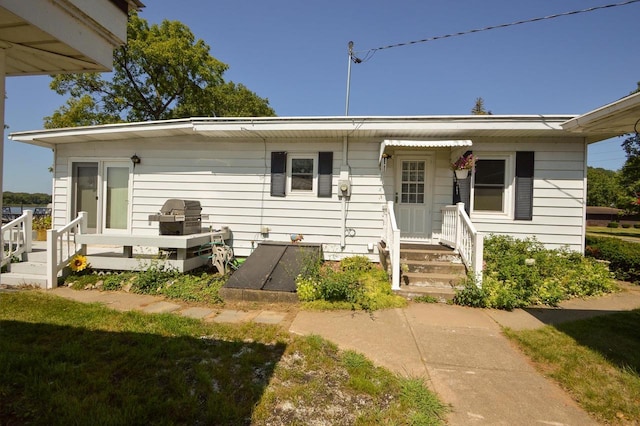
point(409, 127)
point(62, 35)
point(614, 119)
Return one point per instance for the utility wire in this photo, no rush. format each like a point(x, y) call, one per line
point(369, 53)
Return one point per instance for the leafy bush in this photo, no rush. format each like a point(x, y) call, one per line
point(355, 283)
point(623, 256)
point(521, 273)
point(613, 225)
point(626, 225)
point(636, 225)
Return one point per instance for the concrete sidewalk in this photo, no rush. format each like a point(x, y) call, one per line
point(463, 355)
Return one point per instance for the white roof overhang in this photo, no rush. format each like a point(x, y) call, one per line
point(62, 36)
point(387, 145)
point(300, 128)
point(614, 119)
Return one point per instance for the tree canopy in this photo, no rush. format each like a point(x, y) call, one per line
point(630, 173)
point(162, 72)
point(479, 108)
point(603, 188)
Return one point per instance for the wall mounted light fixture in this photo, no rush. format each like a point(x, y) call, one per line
point(135, 159)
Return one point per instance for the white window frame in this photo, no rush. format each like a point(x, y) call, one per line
point(509, 184)
point(314, 187)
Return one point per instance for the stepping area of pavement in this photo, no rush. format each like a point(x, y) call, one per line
point(123, 301)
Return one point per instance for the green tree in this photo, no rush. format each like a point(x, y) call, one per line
point(479, 108)
point(603, 188)
point(162, 72)
point(630, 173)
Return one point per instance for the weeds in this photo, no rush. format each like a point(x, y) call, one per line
point(354, 284)
point(521, 273)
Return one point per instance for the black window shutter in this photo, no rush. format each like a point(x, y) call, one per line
point(325, 174)
point(278, 174)
point(524, 185)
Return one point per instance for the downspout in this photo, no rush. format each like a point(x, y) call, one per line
point(584, 195)
point(344, 178)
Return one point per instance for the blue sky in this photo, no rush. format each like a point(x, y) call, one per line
point(295, 54)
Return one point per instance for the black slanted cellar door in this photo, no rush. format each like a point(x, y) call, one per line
point(278, 174)
point(325, 174)
point(524, 185)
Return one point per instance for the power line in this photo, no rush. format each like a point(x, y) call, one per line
point(369, 53)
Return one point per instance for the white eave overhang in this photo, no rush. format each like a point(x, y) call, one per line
point(614, 119)
point(305, 128)
point(62, 36)
point(387, 145)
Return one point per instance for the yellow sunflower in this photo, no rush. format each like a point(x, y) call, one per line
point(78, 263)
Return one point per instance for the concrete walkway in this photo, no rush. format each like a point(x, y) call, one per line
point(465, 358)
point(460, 351)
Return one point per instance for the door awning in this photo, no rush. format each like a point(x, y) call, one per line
point(390, 143)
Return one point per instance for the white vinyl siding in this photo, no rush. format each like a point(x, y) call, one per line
point(231, 179)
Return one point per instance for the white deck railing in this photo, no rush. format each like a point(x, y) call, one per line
point(459, 233)
point(62, 246)
point(16, 237)
point(391, 237)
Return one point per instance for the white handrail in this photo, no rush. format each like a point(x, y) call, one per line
point(16, 236)
point(62, 246)
point(459, 233)
point(391, 236)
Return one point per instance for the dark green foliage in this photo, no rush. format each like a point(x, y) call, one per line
point(25, 199)
point(624, 256)
point(613, 225)
point(521, 273)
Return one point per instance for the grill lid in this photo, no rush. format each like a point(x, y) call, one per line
point(176, 206)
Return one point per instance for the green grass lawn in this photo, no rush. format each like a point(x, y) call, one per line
point(596, 360)
point(63, 362)
point(629, 233)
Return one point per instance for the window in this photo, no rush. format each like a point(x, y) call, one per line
point(489, 185)
point(303, 174)
point(503, 184)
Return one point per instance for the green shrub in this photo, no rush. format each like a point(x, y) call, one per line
point(613, 225)
point(623, 256)
point(626, 225)
point(521, 273)
point(636, 225)
point(355, 283)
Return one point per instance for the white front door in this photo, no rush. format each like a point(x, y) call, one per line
point(414, 186)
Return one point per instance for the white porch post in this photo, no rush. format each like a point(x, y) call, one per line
point(459, 226)
point(52, 259)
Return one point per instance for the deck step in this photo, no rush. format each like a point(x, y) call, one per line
point(13, 279)
point(28, 267)
point(435, 267)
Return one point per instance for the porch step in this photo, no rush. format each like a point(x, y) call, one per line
point(434, 267)
point(441, 294)
point(428, 253)
point(29, 267)
point(434, 280)
point(432, 270)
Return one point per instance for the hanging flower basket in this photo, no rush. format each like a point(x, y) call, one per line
point(462, 166)
point(461, 173)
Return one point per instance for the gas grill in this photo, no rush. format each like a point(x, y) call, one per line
point(179, 217)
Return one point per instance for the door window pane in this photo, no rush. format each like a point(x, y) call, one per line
point(86, 196)
point(117, 197)
point(412, 185)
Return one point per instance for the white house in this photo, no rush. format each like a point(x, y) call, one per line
point(341, 182)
